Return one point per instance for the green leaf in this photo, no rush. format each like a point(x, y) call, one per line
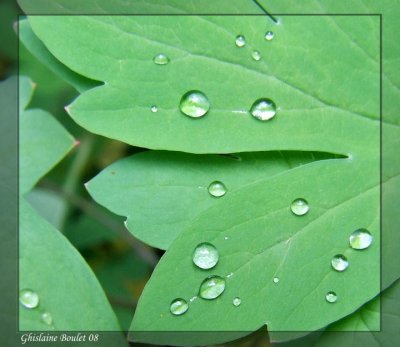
point(51, 270)
point(36, 47)
point(175, 185)
point(43, 141)
point(313, 104)
point(385, 308)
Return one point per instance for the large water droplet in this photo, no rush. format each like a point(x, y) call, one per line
point(236, 301)
point(161, 59)
point(256, 55)
point(299, 207)
point(205, 256)
point(331, 297)
point(263, 109)
point(240, 41)
point(217, 189)
point(178, 307)
point(194, 104)
point(47, 318)
point(154, 108)
point(269, 35)
point(360, 239)
point(339, 262)
point(212, 287)
point(275, 279)
point(29, 298)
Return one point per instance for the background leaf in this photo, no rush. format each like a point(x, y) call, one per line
point(43, 141)
point(52, 275)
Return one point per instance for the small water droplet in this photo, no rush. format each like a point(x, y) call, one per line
point(194, 104)
point(269, 35)
point(360, 239)
point(28, 298)
point(229, 275)
point(331, 297)
point(236, 301)
point(212, 287)
point(205, 256)
point(226, 238)
point(275, 279)
point(193, 299)
point(299, 207)
point(161, 59)
point(178, 307)
point(263, 109)
point(154, 108)
point(47, 318)
point(256, 55)
point(217, 189)
point(240, 41)
point(339, 262)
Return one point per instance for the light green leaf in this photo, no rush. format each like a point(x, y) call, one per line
point(43, 141)
point(36, 47)
point(161, 192)
point(313, 105)
point(66, 287)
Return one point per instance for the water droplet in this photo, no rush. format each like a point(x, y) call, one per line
point(269, 35)
point(226, 237)
point(339, 262)
point(331, 297)
point(154, 108)
point(299, 207)
point(217, 189)
point(263, 109)
point(178, 307)
point(236, 301)
point(161, 59)
point(205, 256)
point(360, 239)
point(193, 299)
point(28, 298)
point(194, 104)
point(240, 41)
point(256, 55)
point(47, 318)
point(275, 279)
point(212, 287)
point(229, 275)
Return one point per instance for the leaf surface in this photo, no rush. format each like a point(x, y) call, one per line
point(54, 270)
point(43, 141)
point(161, 192)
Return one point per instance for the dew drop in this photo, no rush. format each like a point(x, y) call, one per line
point(194, 104)
point(256, 55)
point(47, 318)
point(229, 275)
point(275, 279)
point(339, 262)
point(299, 207)
point(28, 298)
point(178, 307)
point(217, 189)
point(331, 297)
point(236, 301)
point(205, 256)
point(161, 59)
point(154, 109)
point(360, 239)
point(212, 287)
point(193, 299)
point(263, 109)
point(269, 35)
point(226, 237)
point(240, 41)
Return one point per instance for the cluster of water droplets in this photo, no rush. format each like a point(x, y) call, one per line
point(30, 300)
